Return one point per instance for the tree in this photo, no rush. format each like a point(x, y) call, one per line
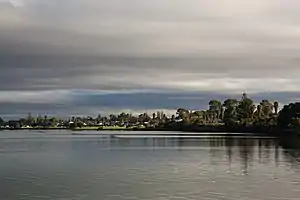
point(113, 118)
point(230, 112)
point(14, 124)
point(39, 121)
point(289, 116)
point(98, 119)
point(204, 117)
point(259, 111)
point(173, 118)
point(215, 109)
point(276, 107)
point(45, 121)
point(133, 119)
point(208, 116)
point(184, 115)
point(104, 120)
point(222, 113)
point(196, 117)
point(123, 118)
point(159, 115)
point(23, 121)
point(53, 121)
point(266, 109)
point(29, 120)
point(1, 121)
point(153, 115)
point(144, 117)
point(245, 109)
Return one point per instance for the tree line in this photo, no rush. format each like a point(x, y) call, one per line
point(230, 113)
point(233, 112)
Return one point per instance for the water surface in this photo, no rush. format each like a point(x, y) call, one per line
point(58, 165)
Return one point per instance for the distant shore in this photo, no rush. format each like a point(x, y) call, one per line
point(187, 129)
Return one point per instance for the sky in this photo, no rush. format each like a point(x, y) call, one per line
point(85, 57)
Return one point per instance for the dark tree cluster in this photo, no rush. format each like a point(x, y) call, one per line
point(233, 112)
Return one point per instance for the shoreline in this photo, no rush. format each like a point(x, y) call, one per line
point(195, 130)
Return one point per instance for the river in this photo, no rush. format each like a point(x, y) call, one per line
point(59, 165)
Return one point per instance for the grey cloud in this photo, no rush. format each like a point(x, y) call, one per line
point(40, 72)
point(161, 45)
point(143, 27)
point(94, 103)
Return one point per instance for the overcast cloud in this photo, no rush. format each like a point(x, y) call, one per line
point(88, 56)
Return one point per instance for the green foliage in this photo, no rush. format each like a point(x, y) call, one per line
point(230, 113)
point(276, 105)
point(144, 117)
point(289, 116)
point(266, 108)
point(215, 108)
point(245, 110)
point(198, 117)
point(183, 114)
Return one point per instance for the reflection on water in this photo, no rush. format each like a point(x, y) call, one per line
point(63, 166)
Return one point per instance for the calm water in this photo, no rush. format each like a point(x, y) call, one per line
point(58, 165)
